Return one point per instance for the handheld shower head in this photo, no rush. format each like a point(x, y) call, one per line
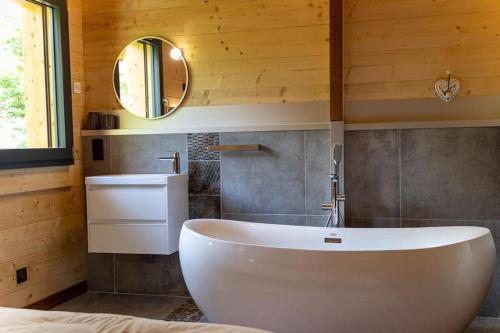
point(336, 158)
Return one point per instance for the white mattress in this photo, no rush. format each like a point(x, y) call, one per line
point(20, 320)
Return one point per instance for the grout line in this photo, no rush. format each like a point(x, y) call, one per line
point(220, 177)
point(98, 292)
point(153, 295)
point(96, 302)
point(114, 274)
point(450, 220)
point(417, 219)
point(400, 181)
point(305, 177)
point(253, 214)
point(373, 217)
point(187, 151)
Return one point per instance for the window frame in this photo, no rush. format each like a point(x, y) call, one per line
point(43, 157)
point(157, 76)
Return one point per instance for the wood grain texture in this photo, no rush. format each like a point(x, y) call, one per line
point(42, 211)
point(395, 50)
point(238, 51)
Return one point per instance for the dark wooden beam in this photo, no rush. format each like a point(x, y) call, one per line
point(336, 61)
point(60, 297)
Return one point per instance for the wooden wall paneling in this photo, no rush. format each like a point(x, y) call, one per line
point(57, 233)
point(217, 17)
point(422, 48)
point(361, 10)
point(50, 285)
point(117, 6)
point(30, 180)
point(238, 52)
point(42, 224)
point(31, 207)
point(40, 265)
point(396, 49)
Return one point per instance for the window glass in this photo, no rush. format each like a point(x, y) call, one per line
point(133, 81)
point(28, 92)
point(139, 75)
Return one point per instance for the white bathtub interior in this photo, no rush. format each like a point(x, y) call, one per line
point(353, 239)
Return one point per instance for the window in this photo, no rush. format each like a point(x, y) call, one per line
point(35, 86)
point(138, 77)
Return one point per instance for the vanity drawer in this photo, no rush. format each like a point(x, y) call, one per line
point(128, 238)
point(147, 203)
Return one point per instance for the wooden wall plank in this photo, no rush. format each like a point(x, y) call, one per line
point(396, 49)
point(49, 286)
point(187, 21)
point(192, 6)
point(58, 233)
point(31, 207)
point(40, 265)
point(373, 10)
point(42, 212)
point(237, 51)
point(259, 95)
point(423, 55)
point(30, 180)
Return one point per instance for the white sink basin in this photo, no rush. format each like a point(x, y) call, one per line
point(138, 179)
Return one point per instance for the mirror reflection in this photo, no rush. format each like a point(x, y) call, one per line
point(150, 77)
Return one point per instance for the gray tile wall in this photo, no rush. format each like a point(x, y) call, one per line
point(426, 177)
point(284, 183)
point(135, 273)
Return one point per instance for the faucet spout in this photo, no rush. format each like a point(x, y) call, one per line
point(176, 162)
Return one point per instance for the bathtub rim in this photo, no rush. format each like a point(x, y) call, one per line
point(486, 233)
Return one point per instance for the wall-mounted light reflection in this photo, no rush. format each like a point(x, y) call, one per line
point(176, 54)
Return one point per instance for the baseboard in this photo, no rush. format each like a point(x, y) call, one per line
point(65, 295)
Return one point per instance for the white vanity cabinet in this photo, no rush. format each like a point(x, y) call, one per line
point(139, 214)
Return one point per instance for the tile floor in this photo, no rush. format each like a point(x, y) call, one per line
point(146, 306)
point(182, 309)
point(484, 325)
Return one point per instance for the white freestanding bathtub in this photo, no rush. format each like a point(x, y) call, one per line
point(288, 279)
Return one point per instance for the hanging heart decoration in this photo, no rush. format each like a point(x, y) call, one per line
point(448, 89)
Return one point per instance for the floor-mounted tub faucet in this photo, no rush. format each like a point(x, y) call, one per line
point(336, 197)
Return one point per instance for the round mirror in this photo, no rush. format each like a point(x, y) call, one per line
point(150, 77)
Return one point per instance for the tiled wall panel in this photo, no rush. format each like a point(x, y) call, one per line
point(426, 177)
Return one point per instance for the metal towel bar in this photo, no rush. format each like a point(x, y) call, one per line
point(221, 148)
